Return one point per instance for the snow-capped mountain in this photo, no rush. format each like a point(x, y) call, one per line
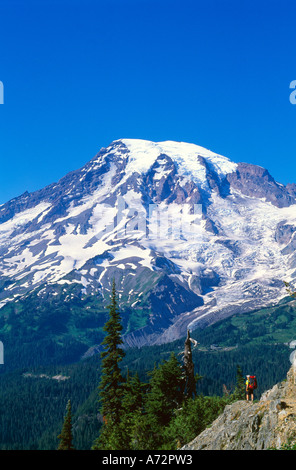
point(190, 236)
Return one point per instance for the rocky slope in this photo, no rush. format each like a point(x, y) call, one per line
point(190, 237)
point(269, 423)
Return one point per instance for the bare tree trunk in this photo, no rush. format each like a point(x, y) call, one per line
point(190, 384)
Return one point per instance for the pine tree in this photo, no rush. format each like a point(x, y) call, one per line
point(239, 392)
point(164, 397)
point(111, 385)
point(133, 394)
point(166, 392)
point(133, 409)
point(66, 438)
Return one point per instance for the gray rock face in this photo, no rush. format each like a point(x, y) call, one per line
point(262, 425)
point(255, 181)
point(284, 233)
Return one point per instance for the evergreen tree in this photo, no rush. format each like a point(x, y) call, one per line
point(164, 397)
point(66, 438)
point(166, 390)
point(133, 409)
point(239, 391)
point(133, 394)
point(191, 419)
point(111, 385)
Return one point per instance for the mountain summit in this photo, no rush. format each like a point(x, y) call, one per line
point(189, 236)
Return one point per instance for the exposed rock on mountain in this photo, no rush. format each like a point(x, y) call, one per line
point(255, 181)
point(269, 423)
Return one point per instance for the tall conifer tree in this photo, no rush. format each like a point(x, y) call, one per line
point(66, 438)
point(111, 385)
point(240, 389)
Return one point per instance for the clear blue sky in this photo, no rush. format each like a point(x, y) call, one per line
point(78, 74)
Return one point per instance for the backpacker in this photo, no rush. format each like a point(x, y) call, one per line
point(252, 382)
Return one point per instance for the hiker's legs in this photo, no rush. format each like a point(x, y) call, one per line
point(249, 394)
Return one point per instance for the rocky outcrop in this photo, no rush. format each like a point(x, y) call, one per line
point(255, 181)
point(269, 423)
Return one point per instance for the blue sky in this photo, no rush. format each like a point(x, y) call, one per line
point(79, 74)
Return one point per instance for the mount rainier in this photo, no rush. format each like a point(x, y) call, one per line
point(118, 217)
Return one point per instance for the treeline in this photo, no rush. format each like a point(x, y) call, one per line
point(164, 413)
point(47, 331)
point(156, 415)
point(32, 407)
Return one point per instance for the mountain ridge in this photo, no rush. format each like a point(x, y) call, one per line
point(119, 216)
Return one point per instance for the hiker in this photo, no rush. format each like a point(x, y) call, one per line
point(251, 384)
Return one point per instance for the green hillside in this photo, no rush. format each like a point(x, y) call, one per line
point(33, 400)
